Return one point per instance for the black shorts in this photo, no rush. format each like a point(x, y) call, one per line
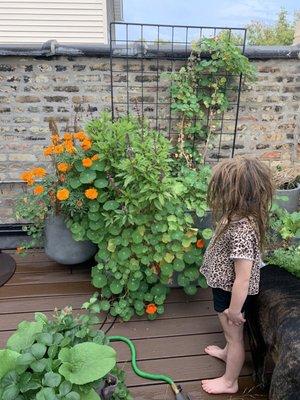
point(222, 300)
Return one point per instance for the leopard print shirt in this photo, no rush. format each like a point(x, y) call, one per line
point(239, 241)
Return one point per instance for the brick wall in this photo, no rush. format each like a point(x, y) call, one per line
point(32, 90)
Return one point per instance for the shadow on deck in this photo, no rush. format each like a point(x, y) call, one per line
point(173, 344)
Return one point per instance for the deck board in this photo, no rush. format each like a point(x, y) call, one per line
point(173, 344)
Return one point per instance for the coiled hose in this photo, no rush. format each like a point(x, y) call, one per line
point(147, 375)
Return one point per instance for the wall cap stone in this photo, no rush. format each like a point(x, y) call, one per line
point(52, 49)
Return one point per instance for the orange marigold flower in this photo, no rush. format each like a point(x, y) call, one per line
point(86, 144)
point(55, 139)
point(28, 177)
point(70, 148)
point(58, 149)
point(63, 167)
point(200, 244)
point(95, 157)
point(87, 162)
point(91, 193)
point(39, 172)
point(68, 136)
point(39, 189)
point(62, 194)
point(80, 135)
point(151, 308)
point(20, 249)
point(48, 151)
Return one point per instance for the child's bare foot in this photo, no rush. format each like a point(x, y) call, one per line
point(216, 351)
point(219, 385)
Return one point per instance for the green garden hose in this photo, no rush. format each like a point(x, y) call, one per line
point(154, 377)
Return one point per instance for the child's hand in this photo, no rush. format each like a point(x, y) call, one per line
point(234, 318)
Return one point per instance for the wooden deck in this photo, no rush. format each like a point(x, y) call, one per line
point(173, 344)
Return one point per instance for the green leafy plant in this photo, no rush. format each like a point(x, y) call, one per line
point(139, 221)
point(280, 33)
point(200, 95)
point(287, 258)
point(64, 358)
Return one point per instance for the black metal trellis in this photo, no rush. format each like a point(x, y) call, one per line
point(139, 56)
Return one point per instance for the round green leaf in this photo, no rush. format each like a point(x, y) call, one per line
point(101, 183)
point(38, 350)
point(87, 176)
point(86, 362)
point(8, 361)
point(207, 233)
point(51, 379)
point(111, 205)
point(24, 336)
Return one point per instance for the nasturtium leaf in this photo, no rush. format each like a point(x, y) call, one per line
point(190, 289)
point(111, 205)
point(51, 379)
point(46, 394)
point(98, 165)
point(137, 238)
point(124, 253)
point(186, 242)
point(169, 257)
point(207, 233)
point(189, 258)
point(8, 360)
point(45, 338)
point(25, 359)
point(73, 396)
point(111, 246)
point(99, 280)
point(86, 362)
point(24, 336)
point(10, 392)
point(116, 287)
point(101, 183)
point(87, 176)
point(74, 183)
point(202, 281)
point(64, 388)
point(178, 265)
point(38, 350)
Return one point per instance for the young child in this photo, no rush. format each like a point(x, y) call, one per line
point(239, 195)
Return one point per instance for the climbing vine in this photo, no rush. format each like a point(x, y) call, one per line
point(200, 92)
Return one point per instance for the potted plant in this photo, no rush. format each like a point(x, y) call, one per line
point(287, 183)
point(63, 358)
point(51, 199)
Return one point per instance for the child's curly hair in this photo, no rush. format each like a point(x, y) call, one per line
point(241, 187)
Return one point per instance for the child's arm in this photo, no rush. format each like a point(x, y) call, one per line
point(239, 293)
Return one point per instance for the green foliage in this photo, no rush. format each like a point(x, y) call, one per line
point(280, 33)
point(64, 358)
point(139, 220)
point(287, 258)
point(200, 92)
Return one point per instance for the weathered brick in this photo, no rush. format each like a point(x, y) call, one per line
point(56, 99)
point(22, 157)
point(69, 88)
point(28, 99)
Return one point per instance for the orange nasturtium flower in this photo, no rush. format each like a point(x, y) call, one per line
point(62, 167)
point(91, 193)
point(39, 172)
point(200, 244)
point(20, 249)
point(95, 157)
point(62, 194)
point(151, 308)
point(28, 177)
point(87, 162)
point(39, 189)
point(80, 135)
point(86, 144)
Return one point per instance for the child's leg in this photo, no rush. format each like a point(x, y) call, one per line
point(216, 351)
point(228, 383)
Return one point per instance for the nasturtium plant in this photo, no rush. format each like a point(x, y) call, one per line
point(64, 358)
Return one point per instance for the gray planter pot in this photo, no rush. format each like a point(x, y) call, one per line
point(60, 245)
point(292, 204)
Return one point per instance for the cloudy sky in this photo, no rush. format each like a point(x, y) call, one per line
point(233, 13)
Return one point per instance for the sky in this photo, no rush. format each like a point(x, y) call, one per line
point(229, 13)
